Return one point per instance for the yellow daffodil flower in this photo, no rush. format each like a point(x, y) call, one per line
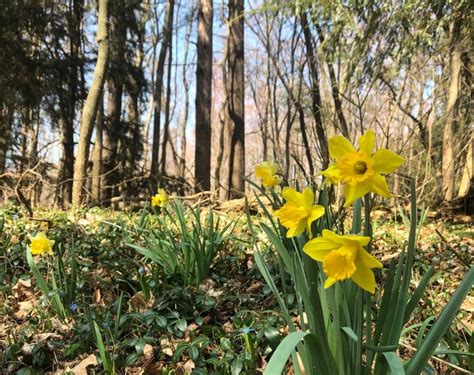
point(344, 257)
point(40, 244)
point(267, 173)
point(160, 199)
point(298, 213)
point(360, 170)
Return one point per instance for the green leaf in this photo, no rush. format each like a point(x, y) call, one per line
point(350, 332)
point(434, 336)
point(193, 353)
point(394, 362)
point(282, 353)
point(182, 325)
point(236, 366)
point(104, 356)
point(58, 306)
point(225, 344)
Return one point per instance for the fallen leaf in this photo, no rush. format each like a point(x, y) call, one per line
point(148, 351)
point(189, 366)
point(81, 368)
point(45, 336)
point(254, 288)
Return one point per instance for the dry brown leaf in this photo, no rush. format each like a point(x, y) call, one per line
point(166, 347)
point(154, 369)
point(97, 297)
point(134, 371)
point(138, 302)
point(45, 336)
point(148, 351)
point(189, 366)
point(22, 290)
point(254, 288)
point(81, 368)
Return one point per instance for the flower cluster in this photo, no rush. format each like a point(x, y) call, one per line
point(267, 173)
point(360, 171)
point(160, 199)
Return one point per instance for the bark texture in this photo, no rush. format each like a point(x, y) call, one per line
point(452, 112)
point(202, 154)
point(158, 93)
point(90, 107)
point(236, 99)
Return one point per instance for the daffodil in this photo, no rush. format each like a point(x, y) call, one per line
point(344, 257)
point(298, 213)
point(362, 170)
point(267, 172)
point(40, 244)
point(160, 199)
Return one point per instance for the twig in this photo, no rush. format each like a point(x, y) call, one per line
point(438, 359)
point(448, 246)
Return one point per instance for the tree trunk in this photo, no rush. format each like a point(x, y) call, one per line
point(315, 94)
point(343, 128)
point(166, 128)
point(452, 112)
point(113, 127)
point(158, 93)
point(97, 155)
point(202, 154)
point(6, 122)
point(182, 157)
point(67, 163)
point(90, 107)
point(236, 99)
point(467, 176)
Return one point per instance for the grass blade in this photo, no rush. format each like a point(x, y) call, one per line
point(278, 361)
point(434, 336)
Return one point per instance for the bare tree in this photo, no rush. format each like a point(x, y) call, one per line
point(202, 154)
point(452, 110)
point(90, 107)
point(158, 92)
point(236, 99)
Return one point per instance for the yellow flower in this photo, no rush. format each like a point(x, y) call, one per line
point(344, 257)
point(40, 244)
point(160, 199)
point(298, 213)
point(267, 173)
point(360, 170)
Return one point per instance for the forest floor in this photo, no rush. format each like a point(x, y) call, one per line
point(154, 322)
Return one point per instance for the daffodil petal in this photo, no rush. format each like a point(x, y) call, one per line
point(360, 240)
point(367, 142)
point(296, 230)
point(365, 278)
point(386, 161)
point(353, 192)
point(329, 282)
point(378, 185)
point(339, 146)
point(333, 237)
point(365, 260)
point(308, 196)
point(291, 195)
point(41, 236)
point(319, 248)
point(260, 172)
point(332, 173)
point(316, 212)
